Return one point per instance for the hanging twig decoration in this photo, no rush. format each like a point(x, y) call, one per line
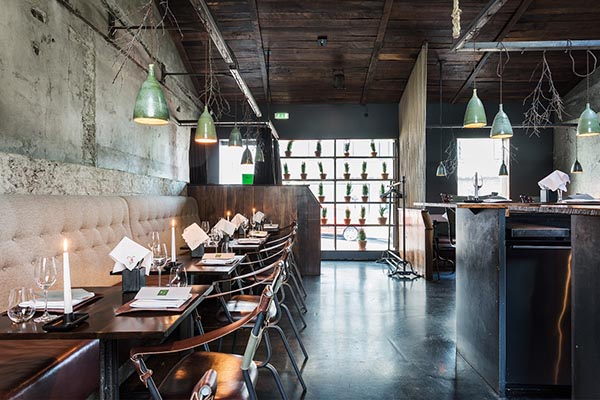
point(544, 102)
point(212, 90)
point(456, 11)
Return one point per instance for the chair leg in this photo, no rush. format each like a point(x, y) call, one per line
point(277, 380)
point(249, 385)
point(288, 314)
point(299, 300)
point(297, 304)
point(296, 272)
point(290, 354)
point(297, 288)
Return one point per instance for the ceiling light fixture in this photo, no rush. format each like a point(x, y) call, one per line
point(576, 168)
point(322, 41)
point(475, 113)
point(501, 127)
point(206, 133)
point(441, 169)
point(503, 168)
point(588, 124)
point(235, 137)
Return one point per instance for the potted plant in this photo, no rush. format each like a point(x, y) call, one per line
point(318, 150)
point(384, 173)
point(362, 240)
point(363, 215)
point(321, 173)
point(365, 193)
point(347, 219)
point(347, 149)
point(288, 150)
point(381, 193)
point(373, 151)
point(324, 216)
point(346, 171)
point(364, 174)
point(286, 172)
point(321, 195)
point(382, 219)
point(348, 195)
point(303, 170)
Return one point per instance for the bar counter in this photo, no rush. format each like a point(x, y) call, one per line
point(482, 285)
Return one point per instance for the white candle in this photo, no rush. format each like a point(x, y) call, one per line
point(253, 213)
point(173, 256)
point(228, 215)
point(67, 281)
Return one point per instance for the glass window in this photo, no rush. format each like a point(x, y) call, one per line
point(483, 156)
point(230, 169)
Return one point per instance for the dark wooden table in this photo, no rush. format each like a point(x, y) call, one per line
point(109, 329)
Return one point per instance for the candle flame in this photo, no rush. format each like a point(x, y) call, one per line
point(228, 213)
point(253, 210)
point(65, 245)
point(173, 223)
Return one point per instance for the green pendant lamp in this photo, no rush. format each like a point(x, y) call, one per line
point(150, 105)
point(588, 123)
point(501, 127)
point(576, 168)
point(247, 156)
point(503, 169)
point(235, 137)
point(205, 131)
point(441, 170)
point(475, 114)
point(260, 156)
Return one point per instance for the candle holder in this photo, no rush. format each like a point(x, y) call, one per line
point(66, 322)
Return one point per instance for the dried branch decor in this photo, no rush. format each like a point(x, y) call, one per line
point(456, 11)
point(543, 101)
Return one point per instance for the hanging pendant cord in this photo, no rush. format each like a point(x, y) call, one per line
point(500, 68)
point(588, 73)
point(441, 100)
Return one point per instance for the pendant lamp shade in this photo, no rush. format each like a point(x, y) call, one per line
point(260, 156)
point(501, 127)
point(576, 168)
point(503, 170)
point(588, 124)
point(150, 105)
point(235, 137)
point(475, 114)
point(441, 170)
point(247, 157)
point(205, 131)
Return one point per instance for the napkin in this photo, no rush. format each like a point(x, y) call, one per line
point(56, 299)
point(225, 227)
point(194, 236)
point(258, 217)
point(127, 254)
point(556, 180)
point(238, 220)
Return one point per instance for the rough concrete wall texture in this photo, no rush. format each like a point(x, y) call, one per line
point(588, 148)
point(61, 103)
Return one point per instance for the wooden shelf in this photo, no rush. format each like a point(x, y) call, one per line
point(355, 202)
point(341, 180)
point(356, 224)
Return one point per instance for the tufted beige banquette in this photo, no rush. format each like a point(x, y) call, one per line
point(35, 225)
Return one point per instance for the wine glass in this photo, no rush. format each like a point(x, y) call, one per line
point(44, 274)
point(178, 276)
point(154, 240)
point(21, 304)
point(159, 259)
point(205, 226)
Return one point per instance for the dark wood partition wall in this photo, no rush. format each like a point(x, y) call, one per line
point(281, 204)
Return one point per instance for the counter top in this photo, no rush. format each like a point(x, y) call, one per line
point(543, 208)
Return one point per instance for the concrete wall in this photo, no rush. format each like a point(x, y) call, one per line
point(588, 147)
point(66, 126)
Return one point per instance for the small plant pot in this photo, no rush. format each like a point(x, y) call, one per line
point(363, 176)
point(347, 199)
point(317, 154)
point(346, 154)
point(346, 176)
point(323, 221)
point(347, 221)
point(323, 176)
point(384, 199)
point(382, 220)
point(362, 245)
point(385, 176)
point(373, 154)
point(288, 153)
point(286, 176)
point(303, 176)
point(362, 221)
point(321, 198)
point(364, 198)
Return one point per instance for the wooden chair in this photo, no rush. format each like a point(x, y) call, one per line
point(236, 375)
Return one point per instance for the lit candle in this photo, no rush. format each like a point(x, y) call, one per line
point(253, 213)
point(228, 215)
point(173, 256)
point(67, 281)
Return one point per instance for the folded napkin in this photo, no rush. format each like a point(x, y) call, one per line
point(194, 236)
point(248, 241)
point(556, 180)
point(238, 220)
point(225, 227)
point(56, 299)
point(258, 217)
point(127, 254)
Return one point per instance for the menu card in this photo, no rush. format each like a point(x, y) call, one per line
point(194, 236)
point(258, 217)
point(238, 220)
point(161, 297)
point(225, 227)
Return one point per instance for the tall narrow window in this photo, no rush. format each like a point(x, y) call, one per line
point(230, 172)
point(483, 156)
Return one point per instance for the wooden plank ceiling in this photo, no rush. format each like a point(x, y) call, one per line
point(376, 42)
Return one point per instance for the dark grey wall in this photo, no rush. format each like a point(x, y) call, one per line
point(531, 158)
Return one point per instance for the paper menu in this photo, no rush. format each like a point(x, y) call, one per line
point(194, 236)
point(226, 227)
point(258, 217)
point(238, 220)
point(163, 293)
point(127, 254)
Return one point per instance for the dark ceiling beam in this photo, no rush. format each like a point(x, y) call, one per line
point(478, 23)
point(383, 24)
point(505, 30)
point(258, 38)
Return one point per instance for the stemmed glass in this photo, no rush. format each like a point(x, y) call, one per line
point(178, 276)
point(159, 259)
point(205, 226)
point(45, 276)
point(154, 240)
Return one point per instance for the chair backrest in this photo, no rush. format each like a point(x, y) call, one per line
point(262, 320)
